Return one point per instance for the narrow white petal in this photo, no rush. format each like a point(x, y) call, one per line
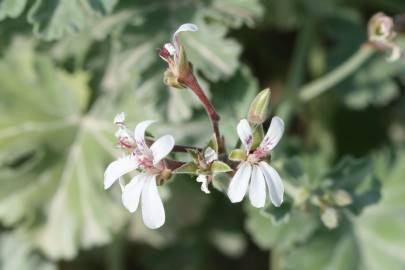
point(185, 27)
point(239, 183)
point(204, 183)
point(153, 212)
point(257, 189)
point(274, 183)
point(210, 155)
point(245, 133)
point(161, 148)
point(118, 168)
point(274, 134)
point(140, 130)
point(132, 192)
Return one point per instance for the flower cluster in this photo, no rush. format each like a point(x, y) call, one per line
point(148, 160)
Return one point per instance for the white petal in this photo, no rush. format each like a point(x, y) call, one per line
point(245, 133)
point(257, 189)
point(132, 192)
point(140, 130)
point(274, 183)
point(118, 168)
point(185, 27)
point(161, 148)
point(274, 134)
point(210, 155)
point(204, 183)
point(153, 212)
point(120, 118)
point(170, 48)
point(239, 183)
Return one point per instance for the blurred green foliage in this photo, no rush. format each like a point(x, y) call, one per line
point(68, 66)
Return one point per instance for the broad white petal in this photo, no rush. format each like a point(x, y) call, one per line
point(210, 155)
point(274, 183)
point(132, 192)
point(239, 183)
point(153, 212)
point(204, 183)
point(274, 134)
point(185, 27)
point(245, 133)
point(257, 189)
point(162, 147)
point(118, 168)
point(140, 130)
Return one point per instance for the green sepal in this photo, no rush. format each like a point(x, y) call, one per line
point(213, 143)
point(259, 107)
point(237, 155)
point(194, 154)
point(258, 135)
point(183, 66)
point(220, 167)
point(188, 168)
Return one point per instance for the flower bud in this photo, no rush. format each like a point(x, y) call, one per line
point(342, 198)
point(259, 107)
point(381, 34)
point(380, 27)
point(329, 217)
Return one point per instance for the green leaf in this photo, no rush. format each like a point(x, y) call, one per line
point(237, 155)
point(54, 19)
point(11, 8)
point(285, 234)
point(17, 254)
point(374, 84)
point(220, 167)
point(188, 168)
point(53, 151)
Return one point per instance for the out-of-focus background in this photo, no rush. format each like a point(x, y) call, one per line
point(68, 66)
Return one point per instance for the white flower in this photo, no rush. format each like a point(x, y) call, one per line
point(209, 156)
point(143, 186)
point(256, 171)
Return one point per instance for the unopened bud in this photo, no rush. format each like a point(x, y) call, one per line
point(259, 107)
point(380, 27)
point(329, 217)
point(342, 198)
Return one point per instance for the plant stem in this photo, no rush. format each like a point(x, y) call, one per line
point(191, 82)
point(324, 83)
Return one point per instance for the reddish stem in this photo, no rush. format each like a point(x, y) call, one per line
point(191, 82)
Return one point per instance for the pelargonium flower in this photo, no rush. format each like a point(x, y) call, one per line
point(381, 33)
point(209, 157)
point(149, 162)
point(175, 57)
point(255, 170)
